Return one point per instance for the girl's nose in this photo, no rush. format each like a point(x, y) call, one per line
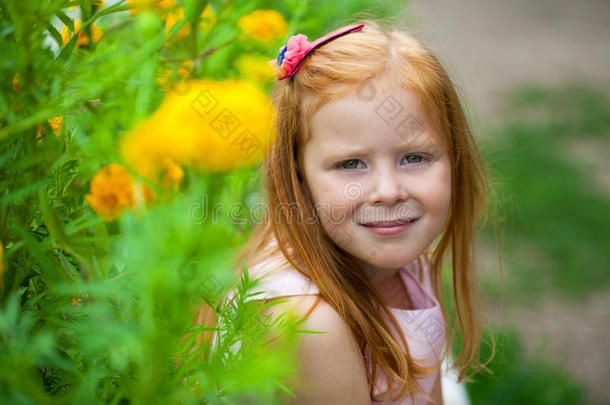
point(387, 188)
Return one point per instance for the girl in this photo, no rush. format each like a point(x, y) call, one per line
point(373, 178)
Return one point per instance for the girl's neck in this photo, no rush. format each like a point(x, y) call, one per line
point(378, 275)
point(390, 285)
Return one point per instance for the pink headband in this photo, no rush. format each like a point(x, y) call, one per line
point(293, 54)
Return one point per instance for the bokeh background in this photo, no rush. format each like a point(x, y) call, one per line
point(108, 247)
point(535, 77)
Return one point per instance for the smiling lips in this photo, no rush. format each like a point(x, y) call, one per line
point(389, 228)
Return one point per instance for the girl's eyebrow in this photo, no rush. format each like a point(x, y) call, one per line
point(336, 153)
point(337, 150)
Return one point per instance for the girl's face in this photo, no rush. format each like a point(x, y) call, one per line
point(378, 176)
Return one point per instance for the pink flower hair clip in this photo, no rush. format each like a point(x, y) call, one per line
point(293, 54)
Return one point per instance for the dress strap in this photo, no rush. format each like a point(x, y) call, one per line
point(420, 269)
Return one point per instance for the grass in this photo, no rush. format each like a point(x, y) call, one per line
point(555, 218)
point(554, 228)
point(516, 379)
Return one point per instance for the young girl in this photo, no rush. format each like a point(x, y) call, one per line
point(373, 178)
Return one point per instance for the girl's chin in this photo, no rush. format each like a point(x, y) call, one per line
point(389, 263)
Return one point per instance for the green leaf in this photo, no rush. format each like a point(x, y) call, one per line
point(216, 5)
point(19, 194)
point(56, 229)
point(6, 30)
point(85, 6)
point(66, 20)
point(194, 8)
point(55, 34)
point(67, 50)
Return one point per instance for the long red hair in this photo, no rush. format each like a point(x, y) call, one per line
point(341, 66)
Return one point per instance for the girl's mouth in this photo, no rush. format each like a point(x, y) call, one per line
point(389, 228)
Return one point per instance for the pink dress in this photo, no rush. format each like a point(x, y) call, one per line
point(423, 327)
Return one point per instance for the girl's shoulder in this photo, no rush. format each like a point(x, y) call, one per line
point(319, 354)
point(331, 366)
point(277, 277)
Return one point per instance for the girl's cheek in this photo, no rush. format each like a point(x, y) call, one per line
point(332, 197)
point(436, 188)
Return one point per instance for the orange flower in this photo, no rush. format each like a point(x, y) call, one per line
point(56, 123)
point(172, 174)
point(83, 38)
point(113, 189)
point(142, 192)
point(111, 192)
point(169, 174)
point(165, 75)
point(17, 83)
point(75, 301)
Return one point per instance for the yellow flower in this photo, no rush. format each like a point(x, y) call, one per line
point(56, 123)
point(139, 5)
point(174, 17)
point(211, 125)
point(264, 25)
point(159, 5)
point(111, 192)
point(254, 67)
point(83, 38)
point(208, 19)
point(164, 75)
point(171, 14)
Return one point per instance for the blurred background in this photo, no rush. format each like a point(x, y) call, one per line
point(535, 77)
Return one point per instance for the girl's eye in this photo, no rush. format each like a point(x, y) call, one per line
point(414, 158)
point(350, 164)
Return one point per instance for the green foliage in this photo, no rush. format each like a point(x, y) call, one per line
point(555, 227)
point(513, 378)
point(95, 311)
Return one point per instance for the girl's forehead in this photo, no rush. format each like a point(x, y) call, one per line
point(374, 112)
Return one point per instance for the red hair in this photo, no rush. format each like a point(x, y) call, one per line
point(337, 68)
